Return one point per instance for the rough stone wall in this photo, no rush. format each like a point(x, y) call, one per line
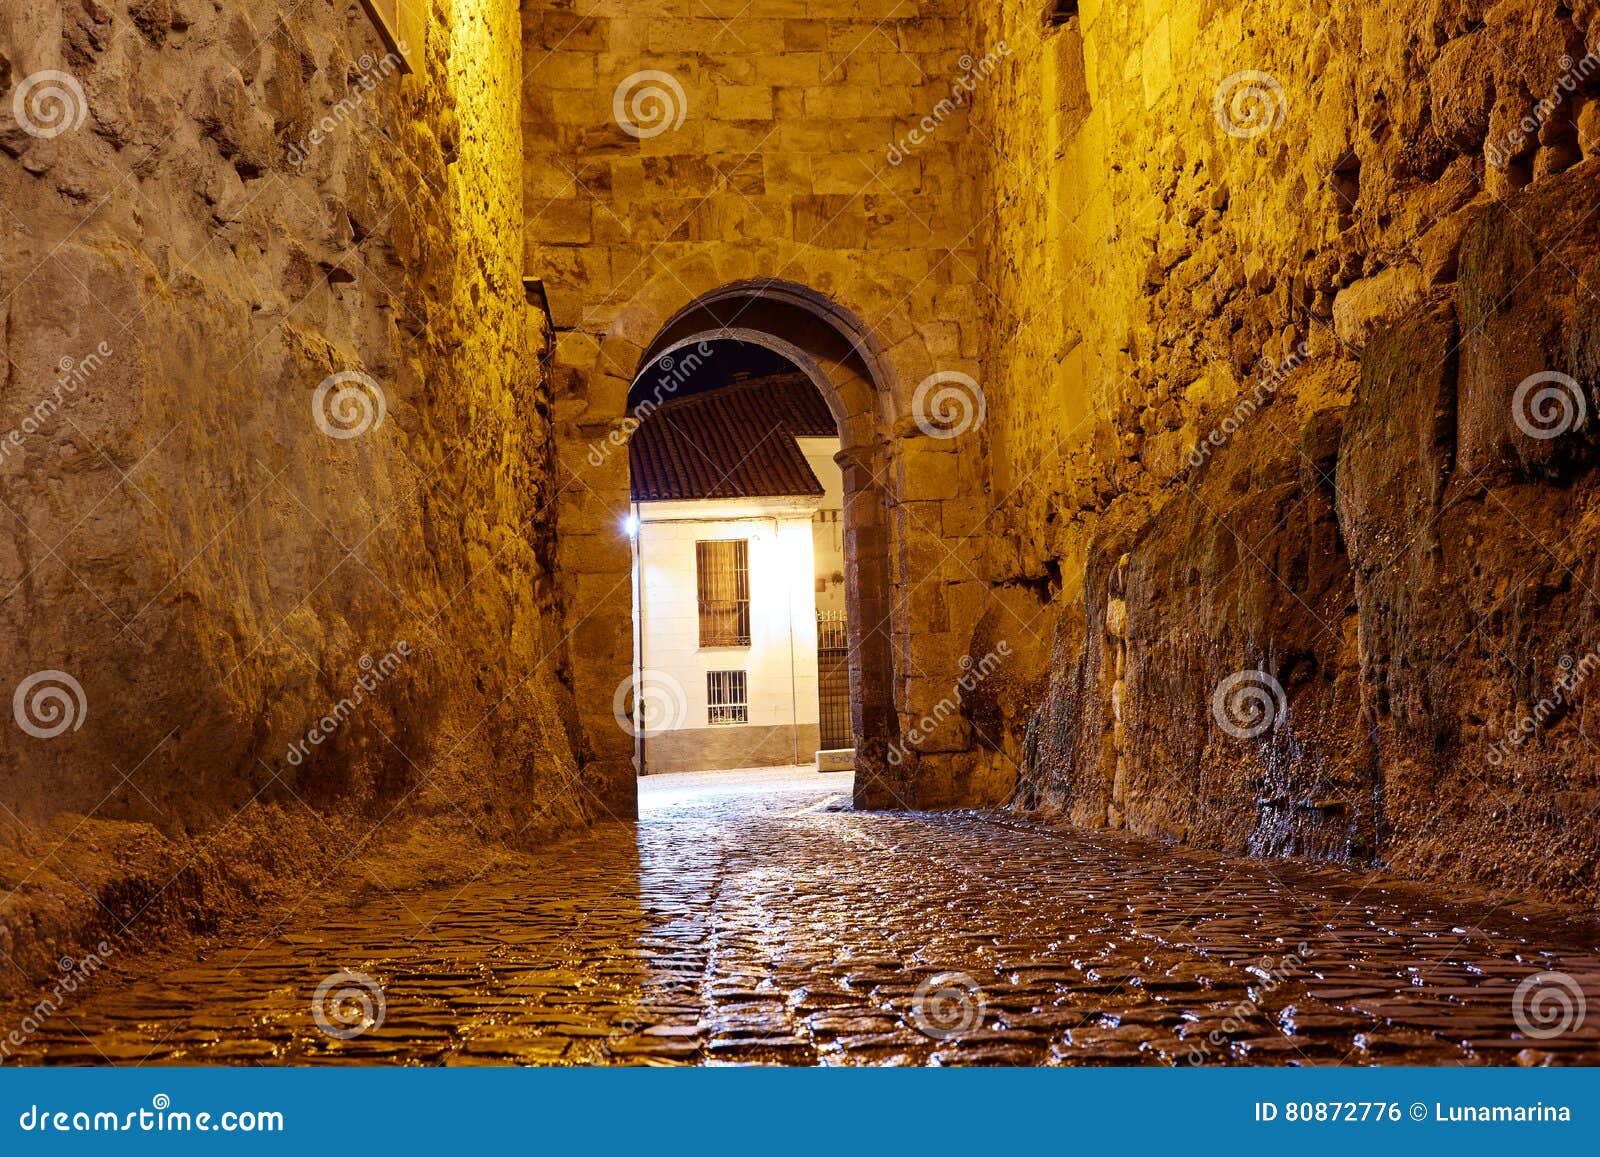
point(688, 146)
point(1268, 278)
point(255, 199)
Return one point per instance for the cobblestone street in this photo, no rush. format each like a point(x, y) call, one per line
point(755, 920)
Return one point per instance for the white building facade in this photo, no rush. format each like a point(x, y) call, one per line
point(737, 530)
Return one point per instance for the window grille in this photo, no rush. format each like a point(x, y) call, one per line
point(833, 682)
point(831, 630)
point(727, 700)
point(722, 571)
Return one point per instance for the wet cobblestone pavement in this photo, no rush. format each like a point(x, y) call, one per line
point(750, 919)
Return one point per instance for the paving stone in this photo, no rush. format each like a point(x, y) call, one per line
point(733, 928)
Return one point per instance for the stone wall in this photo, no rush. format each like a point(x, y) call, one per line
point(1271, 282)
point(301, 634)
point(1259, 297)
point(815, 150)
point(725, 748)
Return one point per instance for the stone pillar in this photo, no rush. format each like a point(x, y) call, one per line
point(879, 784)
point(595, 562)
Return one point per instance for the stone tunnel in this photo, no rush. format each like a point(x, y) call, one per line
point(1216, 380)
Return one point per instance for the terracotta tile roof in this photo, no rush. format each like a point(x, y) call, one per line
point(731, 443)
point(794, 399)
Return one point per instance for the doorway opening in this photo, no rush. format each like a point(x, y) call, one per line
point(724, 342)
point(736, 519)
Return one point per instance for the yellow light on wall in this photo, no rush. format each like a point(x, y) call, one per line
point(400, 25)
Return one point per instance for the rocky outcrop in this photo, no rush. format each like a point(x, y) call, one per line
point(1464, 478)
point(1292, 384)
point(276, 471)
point(1215, 695)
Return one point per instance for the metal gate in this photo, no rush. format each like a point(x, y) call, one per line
point(833, 682)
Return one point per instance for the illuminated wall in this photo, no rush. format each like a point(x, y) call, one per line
point(674, 150)
point(245, 211)
point(1268, 281)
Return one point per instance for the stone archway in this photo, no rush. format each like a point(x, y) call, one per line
point(846, 363)
point(915, 505)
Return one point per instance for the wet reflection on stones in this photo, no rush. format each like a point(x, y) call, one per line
point(749, 918)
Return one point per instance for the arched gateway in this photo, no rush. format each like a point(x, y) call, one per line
point(842, 358)
point(860, 380)
point(904, 574)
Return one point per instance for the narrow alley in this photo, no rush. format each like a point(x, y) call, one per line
point(755, 919)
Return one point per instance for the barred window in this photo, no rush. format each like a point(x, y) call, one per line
point(722, 570)
point(726, 698)
point(832, 628)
